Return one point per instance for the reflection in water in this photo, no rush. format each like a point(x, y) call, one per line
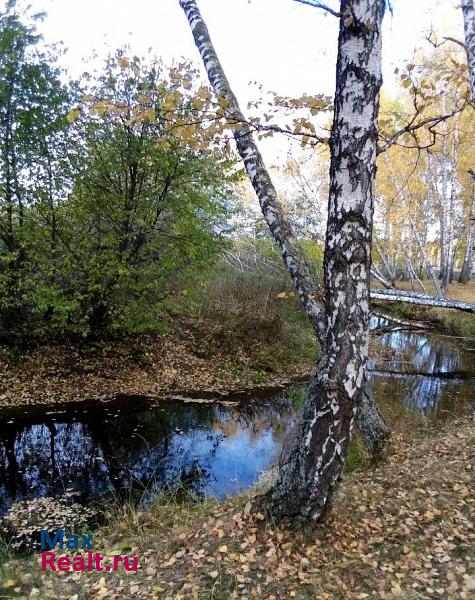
point(426, 372)
point(216, 450)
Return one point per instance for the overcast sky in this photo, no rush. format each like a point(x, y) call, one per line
point(288, 47)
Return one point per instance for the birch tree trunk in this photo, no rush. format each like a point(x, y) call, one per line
point(444, 217)
point(376, 431)
point(469, 29)
point(467, 267)
point(426, 264)
point(394, 295)
point(312, 470)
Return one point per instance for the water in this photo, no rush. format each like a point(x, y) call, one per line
point(213, 449)
point(425, 372)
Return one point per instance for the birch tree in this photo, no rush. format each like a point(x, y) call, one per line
point(311, 471)
point(314, 464)
point(468, 11)
point(312, 467)
point(467, 266)
point(369, 419)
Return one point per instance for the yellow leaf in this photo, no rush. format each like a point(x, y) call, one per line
point(73, 114)
point(8, 583)
point(198, 104)
point(149, 114)
point(145, 99)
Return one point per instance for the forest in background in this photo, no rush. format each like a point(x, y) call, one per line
point(122, 203)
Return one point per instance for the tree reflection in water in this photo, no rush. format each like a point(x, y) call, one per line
point(211, 449)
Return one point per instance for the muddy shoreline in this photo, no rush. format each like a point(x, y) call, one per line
point(34, 412)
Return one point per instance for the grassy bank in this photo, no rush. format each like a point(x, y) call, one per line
point(192, 354)
point(402, 529)
point(246, 332)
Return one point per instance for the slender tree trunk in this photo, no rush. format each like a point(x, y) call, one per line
point(469, 29)
point(451, 211)
point(390, 268)
point(307, 288)
point(312, 469)
point(376, 273)
point(467, 267)
point(425, 261)
point(444, 225)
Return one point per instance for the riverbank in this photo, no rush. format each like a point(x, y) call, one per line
point(401, 529)
point(194, 356)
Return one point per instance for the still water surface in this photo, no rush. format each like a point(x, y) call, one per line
point(216, 449)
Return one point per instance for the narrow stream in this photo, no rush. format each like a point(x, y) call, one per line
point(216, 449)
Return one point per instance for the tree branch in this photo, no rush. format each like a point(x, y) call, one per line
point(317, 4)
point(455, 41)
point(445, 39)
point(412, 127)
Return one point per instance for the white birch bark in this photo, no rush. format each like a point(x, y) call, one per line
point(468, 11)
point(370, 421)
point(394, 295)
point(425, 261)
point(467, 267)
point(311, 472)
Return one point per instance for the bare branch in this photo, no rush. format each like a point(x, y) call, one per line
point(289, 132)
point(455, 41)
point(317, 4)
point(412, 127)
point(445, 39)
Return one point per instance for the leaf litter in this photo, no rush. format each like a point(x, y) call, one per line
point(403, 529)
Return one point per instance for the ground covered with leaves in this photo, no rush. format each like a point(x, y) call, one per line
point(192, 354)
point(401, 529)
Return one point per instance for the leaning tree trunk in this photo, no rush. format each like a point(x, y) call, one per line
point(312, 469)
point(469, 29)
point(425, 261)
point(376, 432)
point(467, 267)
